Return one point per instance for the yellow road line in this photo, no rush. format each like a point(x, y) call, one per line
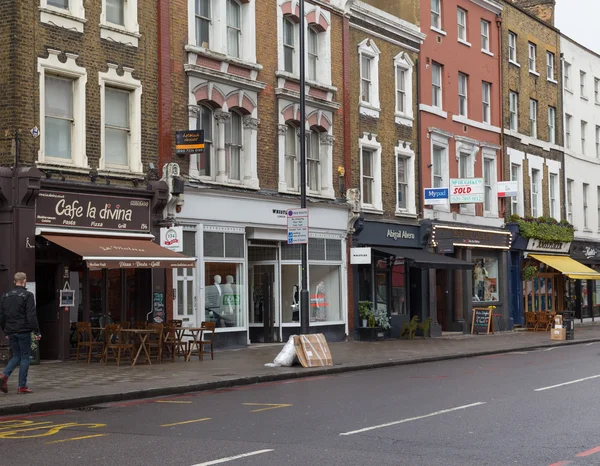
point(28, 424)
point(269, 406)
point(174, 402)
point(76, 438)
point(186, 422)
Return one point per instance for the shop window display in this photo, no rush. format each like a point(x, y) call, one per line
point(325, 303)
point(485, 279)
point(224, 294)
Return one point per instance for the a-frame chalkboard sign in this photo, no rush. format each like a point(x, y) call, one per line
point(482, 320)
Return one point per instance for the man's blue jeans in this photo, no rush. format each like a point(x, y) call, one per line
point(20, 344)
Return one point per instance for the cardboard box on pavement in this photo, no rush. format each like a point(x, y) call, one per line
point(312, 350)
point(558, 321)
point(558, 334)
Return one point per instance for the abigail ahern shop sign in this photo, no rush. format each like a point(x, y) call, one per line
point(74, 210)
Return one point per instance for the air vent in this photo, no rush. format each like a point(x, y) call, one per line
point(439, 39)
point(465, 129)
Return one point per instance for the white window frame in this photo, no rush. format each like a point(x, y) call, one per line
point(552, 125)
point(512, 48)
point(238, 28)
point(583, 136)
point(513, 106)
point(568, 121)
point(293, 47)
point(485, 36)
point(128, 83)
point(569, 202)
point(72, 18)
point(466, 155)
point(69, 69)
point(586, 213)
point(369, 142)
point(129, 32)
point(463, 96)
point(489, 155)
point(533, 129)
point(550, 60)
point(403, 150)
point(437, 90)
point(582, 84)
point(598, 206)
point(461, 21)
point(436, 15)
point(486, 110)
point(369, 49)
point(553, 195)
point(440, 141)
point(597, 142)
point(312, 56)
point(516, 202)
point(536, 190)
point(567, 76)
point(403, 62)
point(532, 53)
point(597, 90)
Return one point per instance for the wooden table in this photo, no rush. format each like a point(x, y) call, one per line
point(194, 332)
point(143, 335)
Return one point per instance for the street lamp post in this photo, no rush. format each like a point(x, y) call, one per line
point(304, 293)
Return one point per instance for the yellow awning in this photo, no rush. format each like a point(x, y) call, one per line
point(569, 267)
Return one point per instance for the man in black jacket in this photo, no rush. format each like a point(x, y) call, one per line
point(18, 319)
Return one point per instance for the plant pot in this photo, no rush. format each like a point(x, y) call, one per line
point(372, 333)
point(364, 322)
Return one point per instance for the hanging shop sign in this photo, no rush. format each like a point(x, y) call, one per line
point(585, 252)
point(508, 188)
point(556, 247)
point(189, 142)
point(171, 238)
point(444, 235)
point(76, 210)
point(360, 255)
point(466, 190)
point(67, 296)
point(436, 196)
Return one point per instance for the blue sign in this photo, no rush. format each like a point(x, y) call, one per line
point(436, 196)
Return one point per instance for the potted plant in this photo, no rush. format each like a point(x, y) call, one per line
point(530, 272)
point(381, 318)
point(364, 310)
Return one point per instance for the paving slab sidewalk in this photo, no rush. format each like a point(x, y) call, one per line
point(64, 385)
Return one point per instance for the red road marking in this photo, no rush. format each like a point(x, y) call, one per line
point(561, 463)
point(429, 377)
point(588, 452)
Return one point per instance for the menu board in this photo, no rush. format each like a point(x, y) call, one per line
point(482, 320)
point(158, 308)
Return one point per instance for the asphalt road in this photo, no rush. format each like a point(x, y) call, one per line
point(512, 409)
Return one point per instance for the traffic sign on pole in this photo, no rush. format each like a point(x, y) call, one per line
point(297, 226)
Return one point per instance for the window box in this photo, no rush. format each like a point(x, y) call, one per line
point(372, 333)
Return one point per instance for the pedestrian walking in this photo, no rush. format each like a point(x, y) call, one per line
point(18, 319)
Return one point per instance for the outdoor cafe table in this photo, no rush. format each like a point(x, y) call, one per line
point(194, 332)
point(142, 335)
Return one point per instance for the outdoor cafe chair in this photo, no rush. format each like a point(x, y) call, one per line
point(155, 340)
point(169, 341)
point(115, 344)
point(85, 339)
point(209, 329)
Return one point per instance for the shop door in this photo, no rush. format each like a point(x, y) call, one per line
point(47, 311)
point(184, 300)
point(264, 303)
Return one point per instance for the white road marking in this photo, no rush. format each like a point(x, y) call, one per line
point(437, 413)
point(233, 458)
point(590, 344)
point(550, 349)
point(566, 383)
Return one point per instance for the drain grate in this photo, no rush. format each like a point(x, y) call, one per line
point(90, 408)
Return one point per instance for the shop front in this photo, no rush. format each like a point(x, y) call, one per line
point(96, 260)
point(454, 293)
point(586, 292)
point(247, 278)
point(394, 277)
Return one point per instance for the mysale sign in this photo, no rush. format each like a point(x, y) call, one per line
point(466, 190)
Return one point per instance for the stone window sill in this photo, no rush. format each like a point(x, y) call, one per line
point(119, 35)
point(62, 19)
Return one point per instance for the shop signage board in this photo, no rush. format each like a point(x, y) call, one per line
point(508, 188)
point(189, 142)
point(360, 255)
point(466, 190)
point(171, 238)
point(482, 320)
point(585, 251)
point(158, 307)
point(297, 226)
point(471, 237)
point(390, 234)
point(436, 196)
point(91, 211)
point(555, 247)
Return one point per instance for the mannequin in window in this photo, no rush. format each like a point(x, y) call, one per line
point(229, 302)
point(296, 304)
point(213, 300)
point(480, 276)
point(320, 302)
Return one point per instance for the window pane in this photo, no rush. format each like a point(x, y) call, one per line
point(485, 279)
point(288, 32)
point(59, 97)
point(115, 11)
point(316, 249)
point(224, 294)
point(213, 244)
point(180, 295)
point(325, 303)
point(290, 294)
point(116, 108)
point(367, 163)
point(189, 243)
point(190, 297)
point(233, 14)
point(234, 245)
point(333, 248)
point(203, 8)
point(59, 3)
point(116, 144)
point(58, 138)
point(233, 42)
point(366, 67)
point(202, 32)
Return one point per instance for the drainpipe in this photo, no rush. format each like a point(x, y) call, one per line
point(418, 151)
point(165, 98)
point(500, 63)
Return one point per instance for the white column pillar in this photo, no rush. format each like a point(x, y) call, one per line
point(282, 129)
point(326, 155)
point(221, 119)
point(250, 152)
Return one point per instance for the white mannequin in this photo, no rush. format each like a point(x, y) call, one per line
point(218, 283)
point(228, 291)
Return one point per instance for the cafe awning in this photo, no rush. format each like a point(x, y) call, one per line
point(426, 260)
point(569, 267)
point(121, 252)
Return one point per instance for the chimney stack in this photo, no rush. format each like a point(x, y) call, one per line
point(542, 9)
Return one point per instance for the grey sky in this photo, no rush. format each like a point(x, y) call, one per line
point(578, 19)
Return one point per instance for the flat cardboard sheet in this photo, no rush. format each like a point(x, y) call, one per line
point(312, 350)
point(558, 334)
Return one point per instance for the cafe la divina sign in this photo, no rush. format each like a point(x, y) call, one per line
point(75, 210)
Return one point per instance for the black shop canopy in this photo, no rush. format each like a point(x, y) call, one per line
point(426, 260)
point(101, 252)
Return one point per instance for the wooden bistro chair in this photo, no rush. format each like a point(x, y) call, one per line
point(169, 341)
point(209, 331)
point(85, 339)
point(155, 340)
point(530, 320)
point(175, 323)
point(116, 344)
point(543, 321)
point(141, 324)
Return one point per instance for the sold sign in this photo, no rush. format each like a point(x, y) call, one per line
point(466, 190)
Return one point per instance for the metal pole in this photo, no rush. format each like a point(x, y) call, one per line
point(304, 293)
